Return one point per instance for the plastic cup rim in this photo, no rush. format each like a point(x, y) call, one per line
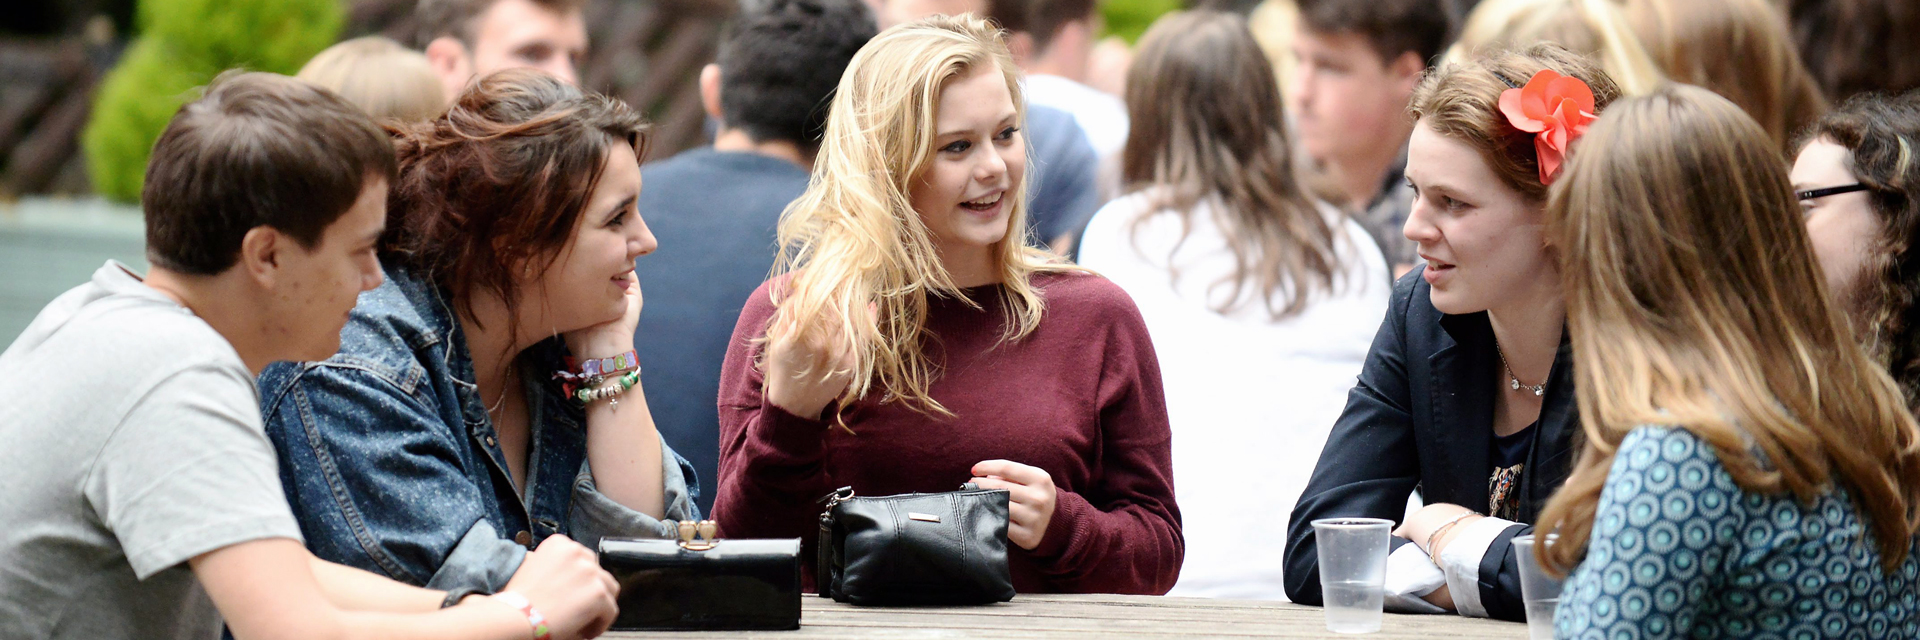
point(1533, 539)
point(1351, 523)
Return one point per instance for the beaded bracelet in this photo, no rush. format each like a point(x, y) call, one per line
point(587, 396)
point(591, 371)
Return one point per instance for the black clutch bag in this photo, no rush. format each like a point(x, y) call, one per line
point(915, 549)
point(700, 582)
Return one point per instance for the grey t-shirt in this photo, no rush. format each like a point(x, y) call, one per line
point(130, 442)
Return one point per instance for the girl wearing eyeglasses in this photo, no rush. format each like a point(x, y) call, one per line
point(1858, 181)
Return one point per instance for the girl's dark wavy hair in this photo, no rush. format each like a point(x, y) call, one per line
point(489, 192)
point(1883, 132)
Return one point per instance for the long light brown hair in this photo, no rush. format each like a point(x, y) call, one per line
point(1740, 49)
point(1694, 300)
point(863, 263)
point(1858, 46)
point(1208, 126)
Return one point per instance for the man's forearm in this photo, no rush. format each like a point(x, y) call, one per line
point(356, 590)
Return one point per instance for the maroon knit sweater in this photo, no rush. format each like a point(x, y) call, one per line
point(1079, 397)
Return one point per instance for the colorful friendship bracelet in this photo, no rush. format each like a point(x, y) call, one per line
point(592, 370)
point(537, 621)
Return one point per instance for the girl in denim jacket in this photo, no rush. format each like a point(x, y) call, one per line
point(439, 445)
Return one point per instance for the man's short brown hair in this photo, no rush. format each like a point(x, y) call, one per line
point(441, 18)
point(1046, 17)
point(259, 149)
point(1393, 27)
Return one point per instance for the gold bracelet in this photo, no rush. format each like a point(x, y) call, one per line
point(1433, 554)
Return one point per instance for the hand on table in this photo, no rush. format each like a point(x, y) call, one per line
point(565, 583)
point(1031, 498)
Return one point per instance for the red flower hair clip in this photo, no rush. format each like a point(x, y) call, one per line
point(1556, 109)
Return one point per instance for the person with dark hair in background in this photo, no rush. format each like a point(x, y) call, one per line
point(1857, 46)
point(467, 39)
point(487, 397)
point(1358, 61)
point(716, 209)
point(1857, 177)
point(1061, 35)
point(141, 498)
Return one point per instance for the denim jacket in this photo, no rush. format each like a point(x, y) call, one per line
point(391, 464)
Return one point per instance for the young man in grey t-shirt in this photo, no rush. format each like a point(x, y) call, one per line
point(141, 498)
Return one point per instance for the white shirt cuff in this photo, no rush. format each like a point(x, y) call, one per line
point(1410, 575)
point(1461, 562)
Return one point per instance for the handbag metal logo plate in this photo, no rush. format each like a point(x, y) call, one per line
point(923, 517)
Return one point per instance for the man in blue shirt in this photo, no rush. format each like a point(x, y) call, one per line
point(715, 209)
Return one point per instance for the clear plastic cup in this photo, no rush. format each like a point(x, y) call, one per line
point(1540, 591)
point(1353, 571)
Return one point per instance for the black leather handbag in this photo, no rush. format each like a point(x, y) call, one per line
point(702, 582)
point(915, 549)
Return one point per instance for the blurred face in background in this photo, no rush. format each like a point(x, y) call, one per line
point(1346, 101)
point(1842, 226)
point(512, 34)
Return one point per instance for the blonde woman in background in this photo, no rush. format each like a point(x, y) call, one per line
point(381, 77)
point(915, 340)
point(1596, 28)
point(1739, 49)
point(1250, 288)
point(1747, 471)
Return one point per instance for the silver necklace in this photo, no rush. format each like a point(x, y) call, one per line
point(1514, 381)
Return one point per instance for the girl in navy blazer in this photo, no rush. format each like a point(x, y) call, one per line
point(1466, 395)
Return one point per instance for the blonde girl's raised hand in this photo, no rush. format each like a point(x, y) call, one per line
point(807, 367)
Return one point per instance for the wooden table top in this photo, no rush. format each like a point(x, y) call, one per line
point(1100, 616)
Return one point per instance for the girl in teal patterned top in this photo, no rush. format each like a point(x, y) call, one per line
point(1748, 471)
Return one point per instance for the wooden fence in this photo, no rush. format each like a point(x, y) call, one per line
point(646, 52)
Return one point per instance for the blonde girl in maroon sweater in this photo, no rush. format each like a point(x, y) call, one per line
point(914, 342)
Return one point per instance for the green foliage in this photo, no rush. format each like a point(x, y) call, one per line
point(183, 45)
point(262, 35)
point(1130, 18)
point(133, 105)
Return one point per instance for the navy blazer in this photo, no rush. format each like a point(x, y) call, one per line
point(1421, 418)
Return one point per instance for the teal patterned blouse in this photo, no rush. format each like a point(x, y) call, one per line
point(1678, 550)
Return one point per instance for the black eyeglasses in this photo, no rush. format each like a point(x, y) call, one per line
point(1829, 191)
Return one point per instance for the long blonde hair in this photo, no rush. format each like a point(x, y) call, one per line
point(862, 262)
point(1694, 300)
point(1740, 49)
point(1208, 125)
point(1597, 29)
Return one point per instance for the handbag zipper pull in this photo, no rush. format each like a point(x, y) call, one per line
point(832, 500)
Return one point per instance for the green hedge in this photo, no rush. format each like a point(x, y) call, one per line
point(1130, 18)
point(183, 44)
